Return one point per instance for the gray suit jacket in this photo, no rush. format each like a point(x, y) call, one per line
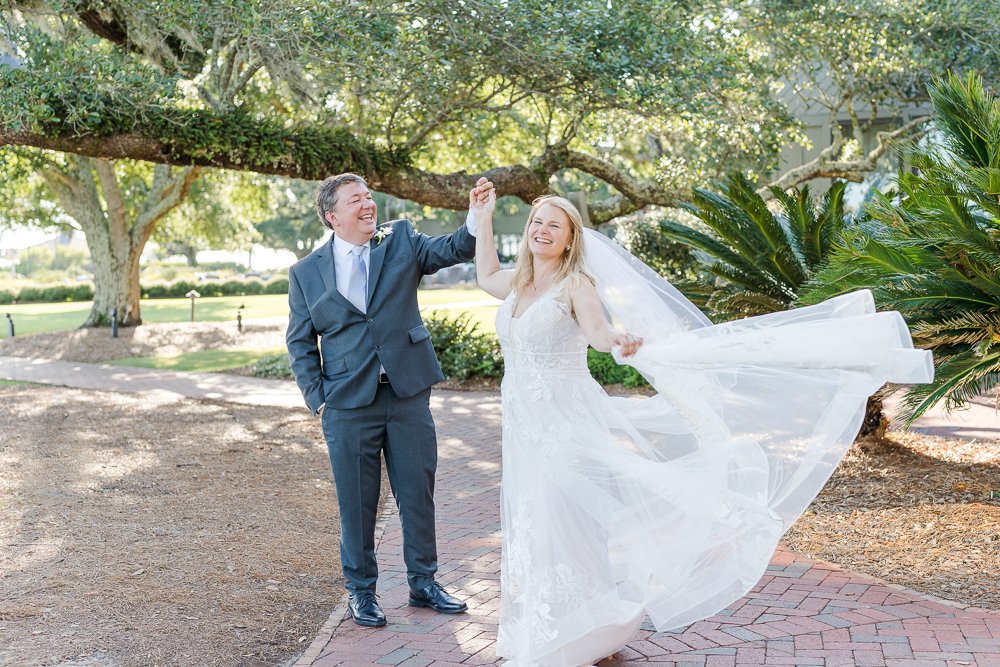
point(343, 370)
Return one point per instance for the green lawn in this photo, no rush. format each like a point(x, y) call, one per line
point(41, 317)
point(32, 318)
point(204, 361)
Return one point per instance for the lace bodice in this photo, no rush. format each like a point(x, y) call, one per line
point(545, 338)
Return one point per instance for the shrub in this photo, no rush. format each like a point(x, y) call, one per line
point(55, 293)
point(174, 290)
point(466, 353)
point(607, 371)
point(279, 286)
point(273, 366)
point(463, 351)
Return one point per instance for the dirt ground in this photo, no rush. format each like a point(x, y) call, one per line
point(96, 345)
point(200, 533)
point(136, 532)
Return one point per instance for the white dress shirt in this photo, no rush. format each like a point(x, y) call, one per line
point(343, 262)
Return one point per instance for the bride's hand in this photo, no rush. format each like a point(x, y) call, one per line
point(629, 343)
point(482, 198)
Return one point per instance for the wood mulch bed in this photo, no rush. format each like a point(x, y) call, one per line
point(914, 510)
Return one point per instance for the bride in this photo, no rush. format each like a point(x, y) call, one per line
point(671, 505)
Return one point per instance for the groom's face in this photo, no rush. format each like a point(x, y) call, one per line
point(354, 216)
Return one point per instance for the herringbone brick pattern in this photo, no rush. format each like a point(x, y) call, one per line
point(802, 612)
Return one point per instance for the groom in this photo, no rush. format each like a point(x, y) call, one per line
point(370, 379)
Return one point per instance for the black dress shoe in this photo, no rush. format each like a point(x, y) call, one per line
point(365, 610)
point(435, 597)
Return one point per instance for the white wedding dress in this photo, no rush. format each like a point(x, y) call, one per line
point(670, 505)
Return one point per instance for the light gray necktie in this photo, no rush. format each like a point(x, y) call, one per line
point(357, 292)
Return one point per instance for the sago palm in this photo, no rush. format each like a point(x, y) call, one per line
point(932, 252)
point(759, 257)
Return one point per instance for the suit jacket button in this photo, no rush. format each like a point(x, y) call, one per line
point(370, 320)
point(378, 347)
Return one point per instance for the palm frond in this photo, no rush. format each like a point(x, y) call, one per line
point(713, 247)
point(745, 303)
point(969, 117)
point(969, 328)
point(827, 225)
point(958, 380)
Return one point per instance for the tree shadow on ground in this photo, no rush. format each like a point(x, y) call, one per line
point(156, 532)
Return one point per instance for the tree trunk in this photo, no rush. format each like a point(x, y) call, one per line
point(116, 285)
point(115, 242)
point(875, 422)
point(190, 253)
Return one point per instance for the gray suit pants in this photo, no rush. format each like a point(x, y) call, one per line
point(401, 430)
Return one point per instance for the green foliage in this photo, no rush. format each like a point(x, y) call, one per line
point(296, 87)
point(291, 223)
point(250, 287)
point(642, 237)
point(306, 88)
point(55, 294)
point(933, 252)
point(66, 260)
point(273, 366)
point(464, 351)
point(607, 371)
point(175, 290)
point(212, 217)
point(759, 258)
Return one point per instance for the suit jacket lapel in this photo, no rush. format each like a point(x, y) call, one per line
point(328, 271)
point(376, 256)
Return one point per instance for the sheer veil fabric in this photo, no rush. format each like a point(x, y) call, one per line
point(671, 505)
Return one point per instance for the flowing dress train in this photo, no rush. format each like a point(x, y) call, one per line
point(670, 505)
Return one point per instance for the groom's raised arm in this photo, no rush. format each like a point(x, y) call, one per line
point(301, 339)
point(437, 252)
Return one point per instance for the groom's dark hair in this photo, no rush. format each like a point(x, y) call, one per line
point(326, 193)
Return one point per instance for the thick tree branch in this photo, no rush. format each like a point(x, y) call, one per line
point(442, 190)
point(315, 153)
point(112, 198)
point(824, 166)
point(452, 190)
point(166, 193)
point(76, 191)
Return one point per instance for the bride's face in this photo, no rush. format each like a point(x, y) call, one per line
point(549, 232)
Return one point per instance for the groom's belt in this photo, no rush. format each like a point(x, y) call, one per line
point(383, 378)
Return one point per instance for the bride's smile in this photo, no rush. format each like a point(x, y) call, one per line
point(549, 233)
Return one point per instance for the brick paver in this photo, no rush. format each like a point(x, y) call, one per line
point(802, 612)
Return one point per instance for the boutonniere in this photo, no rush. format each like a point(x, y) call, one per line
point(381, 233)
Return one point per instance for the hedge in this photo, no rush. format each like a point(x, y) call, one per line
point(175, 290)
point(466, 353)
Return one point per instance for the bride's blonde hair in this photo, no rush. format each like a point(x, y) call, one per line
point(571, 263)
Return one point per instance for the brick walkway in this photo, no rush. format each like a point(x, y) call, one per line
point(803, 612)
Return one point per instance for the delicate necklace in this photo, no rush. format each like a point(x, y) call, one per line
point(532, 286)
